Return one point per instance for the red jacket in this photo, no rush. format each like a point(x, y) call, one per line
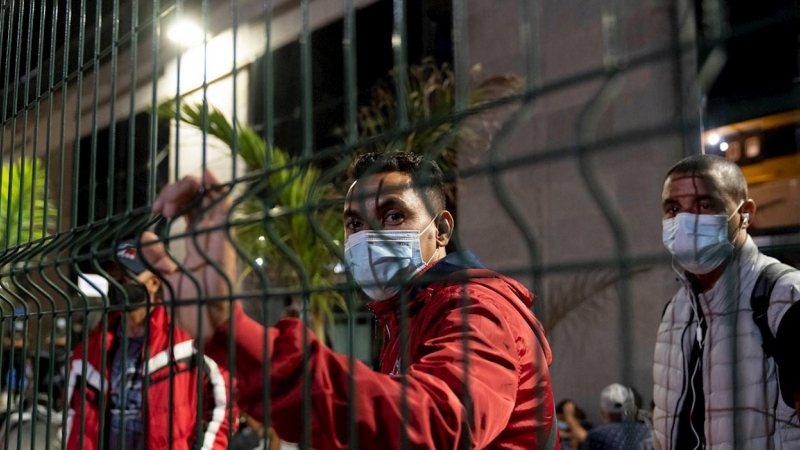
point(509, 383)
point(161, 365)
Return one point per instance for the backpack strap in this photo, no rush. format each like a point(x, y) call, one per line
point(759, 301)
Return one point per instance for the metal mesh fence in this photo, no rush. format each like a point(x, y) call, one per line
point(174, 176)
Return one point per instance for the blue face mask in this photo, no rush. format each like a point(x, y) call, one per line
point(382, 261)
point(698, 242)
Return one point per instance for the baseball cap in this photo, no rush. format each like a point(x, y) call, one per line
point(128, 256)
point(617, 399)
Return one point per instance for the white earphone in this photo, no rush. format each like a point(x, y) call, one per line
point(745, 218)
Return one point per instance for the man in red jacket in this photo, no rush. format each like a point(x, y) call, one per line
point(475, 370)
point(146, 395)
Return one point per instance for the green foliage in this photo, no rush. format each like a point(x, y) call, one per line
point(431, 97)
point(291, 198)
point(23, 203)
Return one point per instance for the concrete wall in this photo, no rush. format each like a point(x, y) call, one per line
point(581, 309)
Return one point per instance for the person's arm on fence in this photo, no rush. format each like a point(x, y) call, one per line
point(249, 350)
point(436, 415)
point(183, 198)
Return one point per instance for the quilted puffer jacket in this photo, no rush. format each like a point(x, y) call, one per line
point(744, 409)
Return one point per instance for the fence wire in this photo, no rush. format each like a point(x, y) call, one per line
point(170, 163)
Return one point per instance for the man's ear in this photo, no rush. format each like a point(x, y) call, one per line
point(748, 212)
point(444, 228)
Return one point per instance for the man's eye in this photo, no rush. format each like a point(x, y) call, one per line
point(393, 218)
point(354, 224)
point(706, 206)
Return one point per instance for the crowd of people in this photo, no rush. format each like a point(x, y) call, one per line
point(473, 357)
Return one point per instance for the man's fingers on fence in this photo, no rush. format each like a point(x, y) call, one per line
point(176, 197)
point(216, 200)
point(209, 179)
point(155, 254)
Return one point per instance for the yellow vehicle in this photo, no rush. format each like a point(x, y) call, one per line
point(768, 151)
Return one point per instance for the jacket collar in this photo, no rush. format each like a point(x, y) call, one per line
point(725, 294)
point(451, 263)
point(158, 326)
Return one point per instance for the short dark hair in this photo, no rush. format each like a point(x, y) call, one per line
point(425, 173)
point(727, 174)
point(579, 413)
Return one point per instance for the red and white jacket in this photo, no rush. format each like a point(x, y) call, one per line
point(179, 364)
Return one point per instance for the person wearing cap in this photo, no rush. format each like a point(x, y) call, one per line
point(137, 352)
point(621, 430)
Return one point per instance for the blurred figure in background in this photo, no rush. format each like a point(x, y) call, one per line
point(13, 380)
point(621, 429)
point(169, 362)
point(572, 425)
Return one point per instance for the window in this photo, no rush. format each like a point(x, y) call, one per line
point(734, 152)
point(429, 35)
point(752, 147)
point(116, 204)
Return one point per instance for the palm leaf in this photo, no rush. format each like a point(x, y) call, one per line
point(291, 186)
point(23, 203)
point(431, 95)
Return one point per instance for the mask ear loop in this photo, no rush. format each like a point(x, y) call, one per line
point(745, 218)
point(425, 230)
point(736, 211)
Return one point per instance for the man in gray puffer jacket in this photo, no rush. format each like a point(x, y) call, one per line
point(715, 387)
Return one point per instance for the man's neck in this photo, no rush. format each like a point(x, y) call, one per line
point(706, 281)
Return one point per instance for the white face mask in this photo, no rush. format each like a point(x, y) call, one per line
point(698, 242)
point(382, 261)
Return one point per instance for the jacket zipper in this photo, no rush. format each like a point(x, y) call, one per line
point(701, 362)
point(684, 390)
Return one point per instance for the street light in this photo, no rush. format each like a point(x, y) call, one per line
point(723, 146)
point(186, 33)
point(713, 139)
